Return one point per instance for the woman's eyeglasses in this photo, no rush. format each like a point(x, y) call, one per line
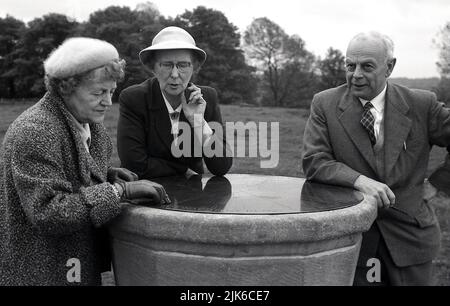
point(181, 66)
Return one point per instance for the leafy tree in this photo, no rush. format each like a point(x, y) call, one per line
point(225, 68)
point(443, 64)
point(10, 30)
point(443, 43)
point(286, 66)
point(129, 31)
point(117, 25)
point(36, 41)
point(148, 10)
point(332, 69)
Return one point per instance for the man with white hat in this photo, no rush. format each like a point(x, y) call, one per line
point(151, 112)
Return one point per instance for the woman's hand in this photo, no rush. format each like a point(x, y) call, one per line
point(194, 108)
point(144, 190)
point(121, 175)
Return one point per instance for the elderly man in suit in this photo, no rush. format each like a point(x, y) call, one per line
point(376, 136)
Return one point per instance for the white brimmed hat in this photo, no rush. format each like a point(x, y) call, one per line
point(171, 38)
point(77, 55)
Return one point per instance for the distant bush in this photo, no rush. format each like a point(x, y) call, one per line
point(420, 83)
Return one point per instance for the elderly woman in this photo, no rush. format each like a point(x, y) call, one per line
point(152, 113)
point(57, 189)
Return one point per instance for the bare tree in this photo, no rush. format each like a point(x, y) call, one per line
point(282, 60)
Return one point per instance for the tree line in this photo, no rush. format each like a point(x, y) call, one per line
point(265, 66)
point(443, 43)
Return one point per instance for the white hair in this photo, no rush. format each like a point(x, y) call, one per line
point(387, 42)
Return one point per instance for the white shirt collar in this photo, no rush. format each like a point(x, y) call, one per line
point(378, 102)
point(84, 130)
point(169, 107)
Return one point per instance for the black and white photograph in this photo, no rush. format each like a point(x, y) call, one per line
point(224, 148)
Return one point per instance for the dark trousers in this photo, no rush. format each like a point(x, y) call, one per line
point(390, 274)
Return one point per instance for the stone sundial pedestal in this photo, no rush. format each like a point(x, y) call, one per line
point(242, 230)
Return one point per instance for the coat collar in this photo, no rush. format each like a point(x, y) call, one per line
point(351, 111)
point(160, 115)
point(88, 162)
point(396, 125)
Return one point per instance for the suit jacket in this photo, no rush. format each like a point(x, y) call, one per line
point(440, 178)
point(337, 150)
point(144, 134)
point(53, 198)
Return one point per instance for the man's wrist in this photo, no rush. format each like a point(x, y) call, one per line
point(357, 181)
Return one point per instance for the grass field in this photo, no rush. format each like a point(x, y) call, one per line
point(291, 125)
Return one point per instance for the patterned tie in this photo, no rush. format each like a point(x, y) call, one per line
point(368, 121)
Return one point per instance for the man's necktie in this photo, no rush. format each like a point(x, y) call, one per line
point(368, 121)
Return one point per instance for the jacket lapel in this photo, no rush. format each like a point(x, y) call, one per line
point(184, 119)
point(352, 111)
point(88, 166)
point(94, 158)
point(159, 115)
point(396, 125)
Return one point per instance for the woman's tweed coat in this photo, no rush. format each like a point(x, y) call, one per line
point(53, 198)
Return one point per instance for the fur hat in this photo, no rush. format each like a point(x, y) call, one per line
point(171, 38)
point(77, 55)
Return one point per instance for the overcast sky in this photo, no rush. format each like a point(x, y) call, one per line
point(412, 24)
